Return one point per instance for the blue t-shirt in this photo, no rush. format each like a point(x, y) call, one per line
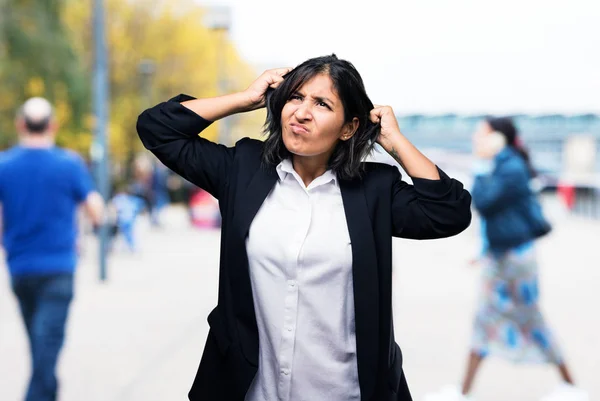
point(127, 207)
point(40, 190)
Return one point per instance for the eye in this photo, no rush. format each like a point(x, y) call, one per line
point(323, 104)
point(295, 97)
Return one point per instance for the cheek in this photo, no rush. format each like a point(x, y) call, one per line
point(287, 111)
point(329, 140)
point(330, 130)
point(480, 132)
point(290, 141)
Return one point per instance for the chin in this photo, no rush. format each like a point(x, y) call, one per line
point(292, 144)
point(298, 149)
point(294, 150)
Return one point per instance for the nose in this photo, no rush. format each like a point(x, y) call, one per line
point(303, 112)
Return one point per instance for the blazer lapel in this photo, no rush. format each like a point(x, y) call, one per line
point(366, 288)
point(253, 197)
point(249, 201)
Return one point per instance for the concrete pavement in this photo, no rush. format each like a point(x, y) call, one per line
point(139, 336)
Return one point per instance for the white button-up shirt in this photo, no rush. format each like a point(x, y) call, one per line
point(300, 261)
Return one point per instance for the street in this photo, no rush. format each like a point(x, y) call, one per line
point(139, 335)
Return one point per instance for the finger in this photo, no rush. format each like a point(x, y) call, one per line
point(375, 115)
point(378, 111)
point(282, 71)
point(274, 78)
point(275, 84)
point(381, 108)
point(275, 81)
point(384, 109)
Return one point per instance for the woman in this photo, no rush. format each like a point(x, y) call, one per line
point(508, 322)
point(305, 298)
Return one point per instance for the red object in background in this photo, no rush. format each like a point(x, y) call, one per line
point(204, 210)
point(566, 193)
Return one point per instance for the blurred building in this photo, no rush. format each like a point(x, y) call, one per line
point(544, 135)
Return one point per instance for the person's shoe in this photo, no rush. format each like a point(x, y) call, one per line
point(448, 393)
point(567, 392)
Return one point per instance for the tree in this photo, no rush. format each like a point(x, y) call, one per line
point(37, 59)
point(46, 49)
point(183, 53)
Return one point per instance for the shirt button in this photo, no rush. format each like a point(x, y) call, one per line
point(285, 371)
point(292, 284)
point(289, 329)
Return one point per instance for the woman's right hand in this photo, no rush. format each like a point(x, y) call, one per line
point(257, 90)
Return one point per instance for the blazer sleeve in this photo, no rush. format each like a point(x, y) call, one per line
point(429, 209)
point(171, 132)
point(494, 192)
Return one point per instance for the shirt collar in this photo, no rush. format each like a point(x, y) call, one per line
point(286, 167)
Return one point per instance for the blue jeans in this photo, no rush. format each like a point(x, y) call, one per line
point(127, 229)
point(44, 302)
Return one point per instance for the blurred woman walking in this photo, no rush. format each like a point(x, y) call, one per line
point(508, 322)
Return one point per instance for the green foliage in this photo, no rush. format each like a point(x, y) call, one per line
point(46, 49)
point(38, 59)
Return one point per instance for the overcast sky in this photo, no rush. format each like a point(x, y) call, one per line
point(437, 56)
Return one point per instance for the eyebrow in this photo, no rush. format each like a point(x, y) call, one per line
point(317, 98)
point(324, 99)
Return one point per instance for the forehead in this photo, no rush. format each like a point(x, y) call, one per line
point(484, 126)
point(320, 85)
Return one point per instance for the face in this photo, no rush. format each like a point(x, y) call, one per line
point(486, 142)
point(312, 120)
point(483, 128)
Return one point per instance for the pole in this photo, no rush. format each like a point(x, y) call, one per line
point(146, 69)
point(218, 19)
point(224, 134)
point(99, 148)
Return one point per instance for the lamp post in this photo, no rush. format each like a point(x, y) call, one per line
point(99, 151)
point(146, 70)
point(218, 19)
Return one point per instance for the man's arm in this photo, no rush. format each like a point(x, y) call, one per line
point(86, 196)
point(94, 208)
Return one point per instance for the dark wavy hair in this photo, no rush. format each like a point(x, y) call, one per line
point(507, 128)
point(346, 159)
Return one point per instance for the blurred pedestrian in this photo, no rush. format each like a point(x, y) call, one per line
point(41, 187)
point(305, 295)
point(125, 208)
point(508, 322)
point(204, 210)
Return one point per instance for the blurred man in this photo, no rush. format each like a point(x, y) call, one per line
point(41, 187)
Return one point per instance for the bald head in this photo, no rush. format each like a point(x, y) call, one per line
point(36, 116)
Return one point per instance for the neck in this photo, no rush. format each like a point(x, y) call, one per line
point(309, 167)
point(41, 141)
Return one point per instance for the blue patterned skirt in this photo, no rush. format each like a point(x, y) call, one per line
point(508, 322)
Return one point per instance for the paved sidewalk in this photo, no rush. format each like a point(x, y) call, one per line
point(139, 336)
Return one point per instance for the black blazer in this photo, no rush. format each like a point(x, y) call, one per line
point(377, 207)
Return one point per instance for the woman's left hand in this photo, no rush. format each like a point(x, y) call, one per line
point(385, 117)
point(396, 145)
